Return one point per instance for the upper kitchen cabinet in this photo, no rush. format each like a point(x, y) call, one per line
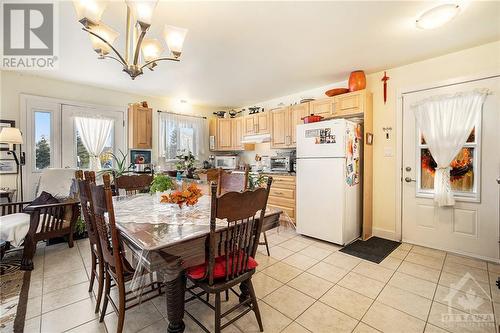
point(297, 113)
point(140, 120)
point(280, 128)
point(257, 124)
point(226, 134)
point(284, 122)
point(322, 107)
point(351, 104)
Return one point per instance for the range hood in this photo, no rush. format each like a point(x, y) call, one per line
point(258, 138)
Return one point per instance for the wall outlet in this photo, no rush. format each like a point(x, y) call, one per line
point(387, 151)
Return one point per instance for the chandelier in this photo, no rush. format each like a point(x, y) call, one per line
point(139, 17)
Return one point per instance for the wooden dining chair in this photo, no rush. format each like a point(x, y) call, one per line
point(97, 262)
point(230, 253)
point(116, 266)
point(133, 184)
point(237, 181)
point(232, 181)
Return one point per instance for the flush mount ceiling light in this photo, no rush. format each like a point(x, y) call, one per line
point(139, 17)
point(437, 16)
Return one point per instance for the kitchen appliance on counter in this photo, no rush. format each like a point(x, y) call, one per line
point(227, 162)
point(329, 195)
point(280, 163)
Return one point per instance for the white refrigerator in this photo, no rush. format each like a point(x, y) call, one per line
point(329, 194)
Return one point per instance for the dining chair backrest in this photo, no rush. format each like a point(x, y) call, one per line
point(232, 181)
point(86, 205)
point(238, 242)
point(133, 184)
point(104, 217)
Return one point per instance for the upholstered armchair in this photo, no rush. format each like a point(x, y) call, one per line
point(31, 221)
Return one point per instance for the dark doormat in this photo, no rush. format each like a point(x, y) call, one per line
point(374, 249)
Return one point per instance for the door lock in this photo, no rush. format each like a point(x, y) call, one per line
point(408, 169)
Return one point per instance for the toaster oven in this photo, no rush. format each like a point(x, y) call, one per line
point(226, 162)
point(281, 163)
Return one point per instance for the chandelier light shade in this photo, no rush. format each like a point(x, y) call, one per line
point(175, 39)
point(139, 51)
point(107, 33)
point(437, 16)
point(142, 10)
point(92, 10)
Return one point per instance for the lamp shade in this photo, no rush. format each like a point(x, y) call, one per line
point(174, 37)
point(11, 135)
point(90, 9)
point(105, 32)
point(142, 10)
point(151, 49)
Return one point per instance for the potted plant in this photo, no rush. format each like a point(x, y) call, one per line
point(161, 184)
point(185, 163)
point(120, 166)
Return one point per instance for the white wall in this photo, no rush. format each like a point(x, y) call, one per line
point(478, 60)
point(12, 84)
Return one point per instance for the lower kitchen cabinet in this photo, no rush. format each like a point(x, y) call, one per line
point(282, 195)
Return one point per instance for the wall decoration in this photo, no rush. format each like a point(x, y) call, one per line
point(6, 123)
point(140, 156)
point(369, 139)
point(385, 78)
point(8, 167)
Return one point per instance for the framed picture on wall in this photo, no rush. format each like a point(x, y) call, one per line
point(6, 123)
point(8, 167)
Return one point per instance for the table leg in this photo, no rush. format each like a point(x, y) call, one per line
point(175, 290)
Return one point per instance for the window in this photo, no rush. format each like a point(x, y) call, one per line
point(178, 133)
point(82, 155)
point(43, 131)
point(463, 174)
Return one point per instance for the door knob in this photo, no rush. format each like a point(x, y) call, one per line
point(409, 180)
point(498, 180)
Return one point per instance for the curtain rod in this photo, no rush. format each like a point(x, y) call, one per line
point(181, 114)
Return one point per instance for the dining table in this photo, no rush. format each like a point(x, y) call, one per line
point(166, 239)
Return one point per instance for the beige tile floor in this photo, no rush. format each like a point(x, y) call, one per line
point(305, 286)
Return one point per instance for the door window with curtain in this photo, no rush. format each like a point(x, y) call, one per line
point(182, 133)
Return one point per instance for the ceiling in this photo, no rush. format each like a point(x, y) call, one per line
point(239, 53)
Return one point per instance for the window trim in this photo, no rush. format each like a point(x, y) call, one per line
point(475, 195)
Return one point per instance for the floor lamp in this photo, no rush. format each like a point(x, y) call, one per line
point(13, 136)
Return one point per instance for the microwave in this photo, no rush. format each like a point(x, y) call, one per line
point(281, 163)
point(227, 162)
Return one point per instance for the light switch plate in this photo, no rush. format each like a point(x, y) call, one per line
point(388, 151)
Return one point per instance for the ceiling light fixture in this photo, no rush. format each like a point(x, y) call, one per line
point(139, 17)
point(437, 16)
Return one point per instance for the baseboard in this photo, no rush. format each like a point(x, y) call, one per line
point(384, 233)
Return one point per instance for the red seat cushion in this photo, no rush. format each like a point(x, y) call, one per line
point(198, 272)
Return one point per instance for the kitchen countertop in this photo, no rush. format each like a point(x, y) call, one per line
point(277, 173)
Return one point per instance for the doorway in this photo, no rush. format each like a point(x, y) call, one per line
point(52, 139)
point(471, 226)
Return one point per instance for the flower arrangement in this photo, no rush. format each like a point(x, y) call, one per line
point(188, 196)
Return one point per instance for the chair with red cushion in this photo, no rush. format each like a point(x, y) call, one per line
point(230, 252)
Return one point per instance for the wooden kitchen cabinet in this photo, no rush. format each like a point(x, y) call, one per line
point(140, 131)
point(226, 134)
point(350, 104)
point(257, 124)
point(282, 195)
point(279, 128)
point(297, 112)
point(322, 107)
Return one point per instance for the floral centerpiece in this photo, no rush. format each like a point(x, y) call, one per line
point(188, 196)
point(185, 162)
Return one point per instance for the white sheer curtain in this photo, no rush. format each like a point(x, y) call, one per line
point(94, 133)
point(446, 122)
point(179, 132)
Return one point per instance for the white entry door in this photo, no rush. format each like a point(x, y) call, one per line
point(470, 227)
point(52, 141)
